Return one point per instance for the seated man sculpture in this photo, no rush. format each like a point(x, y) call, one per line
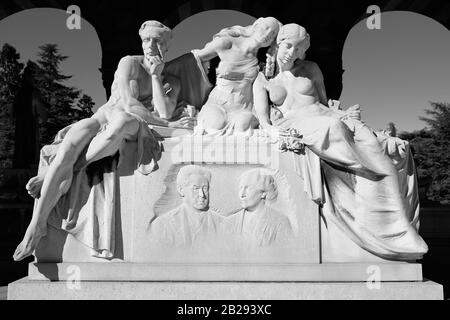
point(140, 96)
point(259, 224)
point(193, 219)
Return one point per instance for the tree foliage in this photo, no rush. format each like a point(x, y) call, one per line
point(63, 103)
point(10, 75)
point(431, 152)
point(84, 107)
point(59, 97)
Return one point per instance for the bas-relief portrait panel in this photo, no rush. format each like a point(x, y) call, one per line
point(220, 213)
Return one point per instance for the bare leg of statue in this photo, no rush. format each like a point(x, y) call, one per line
point(57, 181)
point(59, 175)
point(121, 126)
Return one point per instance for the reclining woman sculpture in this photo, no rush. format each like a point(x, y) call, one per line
point(360, 181)
point(230, 103)
point(138, 97)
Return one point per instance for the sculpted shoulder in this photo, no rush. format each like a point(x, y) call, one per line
point(310, 68)
point(129, 66)
point(222, 42)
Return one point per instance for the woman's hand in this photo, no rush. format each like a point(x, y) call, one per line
point(354, 112)
point(274, 132)
point(275, 114)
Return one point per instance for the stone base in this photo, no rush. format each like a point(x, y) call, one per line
point(325, 272)
point(61, 290)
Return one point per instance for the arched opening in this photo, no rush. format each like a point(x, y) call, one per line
point(395, 71)
point(197, 30)
point(29, 29)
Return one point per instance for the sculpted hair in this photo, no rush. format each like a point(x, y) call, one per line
point(166, 32)
point(288, 31)
point(239, 31)
point(264, 180)
point(185, 172)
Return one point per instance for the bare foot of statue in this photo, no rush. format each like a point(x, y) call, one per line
point(29, 242)
point(34, 186)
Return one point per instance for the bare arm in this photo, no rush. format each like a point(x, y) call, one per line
point(318, 81)
point(165, 102)
point(261, 101)
point(319, 84)
point(211, 49)
point(126, 76)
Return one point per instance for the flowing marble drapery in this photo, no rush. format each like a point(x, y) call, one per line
point(365, 185)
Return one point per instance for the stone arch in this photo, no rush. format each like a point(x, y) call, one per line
point(192, 7)
point(328, 23)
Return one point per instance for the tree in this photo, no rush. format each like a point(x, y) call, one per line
point(59, 97)
point(439, 122)
point(84, 107)
point(431, 152)
point(10, 78)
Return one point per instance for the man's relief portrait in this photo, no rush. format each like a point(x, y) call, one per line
point(255, 223)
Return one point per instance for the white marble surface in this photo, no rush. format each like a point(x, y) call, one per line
point(45, 290)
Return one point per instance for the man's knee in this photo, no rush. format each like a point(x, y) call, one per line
point(124, 124)
point(91, 125)
point(67, 154)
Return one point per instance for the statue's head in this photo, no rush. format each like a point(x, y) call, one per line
point(265, 30)
point(292, 43)
point(255, 187)
point(155, 38)
point(193, 186)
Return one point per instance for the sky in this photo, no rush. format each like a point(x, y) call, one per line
point(197, 30)
point(392, 72)
point(29, 29)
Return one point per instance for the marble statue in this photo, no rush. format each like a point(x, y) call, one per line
point(335, 170)
point(362, 193)
point(230, 103)
point(256, 222)
point(193, 219)
point(140, 95)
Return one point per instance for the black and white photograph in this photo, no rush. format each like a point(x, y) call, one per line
point(234, 151)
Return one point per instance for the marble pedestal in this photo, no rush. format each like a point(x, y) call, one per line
point(320, 262)
point(60, 290)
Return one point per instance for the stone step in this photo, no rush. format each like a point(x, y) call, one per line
point(61, 290)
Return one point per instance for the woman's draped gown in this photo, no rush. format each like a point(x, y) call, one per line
point(232, 96)
point(369, 194)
